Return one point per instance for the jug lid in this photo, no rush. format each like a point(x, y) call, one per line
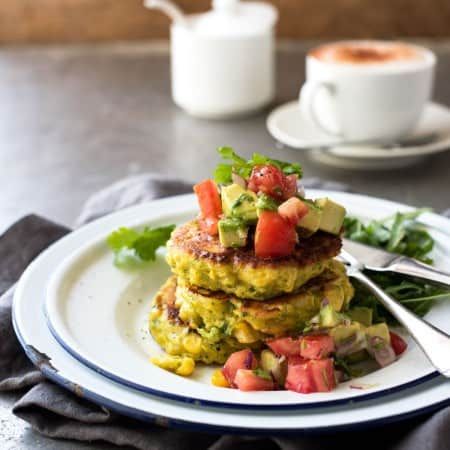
point(233, 18)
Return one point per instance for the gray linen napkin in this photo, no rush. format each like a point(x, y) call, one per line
point(58, 413)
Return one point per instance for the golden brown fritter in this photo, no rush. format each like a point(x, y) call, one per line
point(208, 326)
point(202, 261)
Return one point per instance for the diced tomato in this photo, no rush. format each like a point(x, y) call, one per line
point(310, 376)
point(316, 346)
point(209, 225)
point(299, 378)
point(296, 359)
point(272, 181)
point(274, 236)
point(268, 179)
point(285, 346)
point(397, 343)
point(322, 372)
point(293, 210)
point(244, 359)
point(290, 186)
point(247, 380)
point(210, 205)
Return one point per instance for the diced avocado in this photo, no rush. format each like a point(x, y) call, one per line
point(277, 367)
point(239, 202)
point(358, 356)
point(310, 223)
point(232, 233)
point(349, 341)
point(343, 332)
point(362, 368)
point(381, 330)
point(361, 314)
point(332, 215)
point(265, 203)
point(329, 317)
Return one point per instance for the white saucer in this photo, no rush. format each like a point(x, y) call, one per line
point(287, 125)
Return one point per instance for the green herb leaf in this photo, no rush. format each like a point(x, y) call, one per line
point(399, 234)
point(122, 237)
point(132, 248)
point(417, 296)
point(266, 202)
point(242, 167)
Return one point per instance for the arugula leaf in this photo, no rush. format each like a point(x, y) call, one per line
point(133, 248)
point(242, 167)
point(417, 296)
point(401, 234)
point(398, 234)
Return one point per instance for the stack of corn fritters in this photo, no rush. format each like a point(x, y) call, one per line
point(221, 300)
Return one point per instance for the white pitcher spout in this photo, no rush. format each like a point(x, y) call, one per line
point(167, 7)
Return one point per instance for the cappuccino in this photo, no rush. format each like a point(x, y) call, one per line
point(367, 53)
point(362, 90)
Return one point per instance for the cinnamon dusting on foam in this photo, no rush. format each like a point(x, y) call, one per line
point(366, 53)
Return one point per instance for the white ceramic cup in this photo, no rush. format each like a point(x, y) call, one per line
point(355, 101)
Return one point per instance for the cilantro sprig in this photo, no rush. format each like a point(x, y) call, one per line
point(243, 167)
point(402, 234)
point(133, 248)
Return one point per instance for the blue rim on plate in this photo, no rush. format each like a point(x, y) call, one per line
point(194, 401)
point(158, 413)
point(52, 374)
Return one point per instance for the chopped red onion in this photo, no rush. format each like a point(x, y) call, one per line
point(248, 360)
point(355, 343)
point(300, 190)
point(382, 351)
point(237, 179)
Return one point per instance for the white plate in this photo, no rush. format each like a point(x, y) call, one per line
point(44, 351)
point(99, 314)
point(287, 125)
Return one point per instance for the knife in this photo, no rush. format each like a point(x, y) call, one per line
point(381, 261)
point(434, 342)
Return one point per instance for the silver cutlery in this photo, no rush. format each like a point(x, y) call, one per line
point(434, 342)
point(381, 261)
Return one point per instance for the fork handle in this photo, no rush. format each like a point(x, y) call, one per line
point(434, 342)
point(413, 268)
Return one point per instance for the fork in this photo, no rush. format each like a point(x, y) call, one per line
point(433, 341)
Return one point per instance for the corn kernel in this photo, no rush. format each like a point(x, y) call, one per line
point(154, 314)
point(166, 362)
point(186, 367)
point(218, 379)
point(192, 343)
point(244, 333)
point(181, 365)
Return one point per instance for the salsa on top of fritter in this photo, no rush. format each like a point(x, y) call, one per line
point(257, 203)
point(257, 236)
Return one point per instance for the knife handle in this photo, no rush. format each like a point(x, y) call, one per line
point(413, 268)
point(434, 342)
